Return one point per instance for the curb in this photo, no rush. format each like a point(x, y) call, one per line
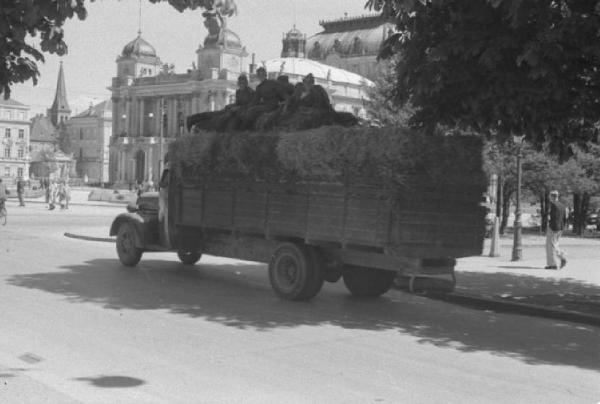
point(116, 205)
point(514, 307)
point(88, 238)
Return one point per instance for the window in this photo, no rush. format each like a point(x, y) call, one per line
point(20, 172)
point(21, 133)
point(22, 116)
point(7, 132)
point(80, 134)
point(7, 152)
point(20, 153)
point(9, 113)
point(7, 171)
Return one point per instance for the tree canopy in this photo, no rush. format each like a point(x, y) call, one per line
point(22, 21)
point(498, 66)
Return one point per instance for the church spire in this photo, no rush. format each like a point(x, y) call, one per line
point(60, 111)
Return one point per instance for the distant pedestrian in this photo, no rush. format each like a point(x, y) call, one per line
point(21, 191)
point(53, 189)
point(3, 193)
point(557, 220)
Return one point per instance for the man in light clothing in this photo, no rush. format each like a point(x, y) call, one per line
point(557, 220)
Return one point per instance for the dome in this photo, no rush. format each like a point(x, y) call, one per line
point(301, 67)
point(294, 33)
point(138, 47)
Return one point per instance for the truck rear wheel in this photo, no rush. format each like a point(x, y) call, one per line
point(296, 272)
point(129, 254)
point(188, 257)
point(367, 282)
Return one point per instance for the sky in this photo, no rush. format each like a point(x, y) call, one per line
point(96, 42)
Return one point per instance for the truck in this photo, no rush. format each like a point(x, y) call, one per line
point(310, 232)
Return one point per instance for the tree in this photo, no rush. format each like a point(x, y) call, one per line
point(505, 66)
point(586, 161)
point(380, 107)
point(20, 21)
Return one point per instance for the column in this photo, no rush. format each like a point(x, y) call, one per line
point(150, 166)
point(157, 115)
point(141, 131)
point(128, 116)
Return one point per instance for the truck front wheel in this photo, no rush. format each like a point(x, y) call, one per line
point(367, 282)
point(188, 257)
point(129, 254)
point(296, 272)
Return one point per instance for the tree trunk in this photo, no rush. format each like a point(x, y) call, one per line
point(505, 210)
point(544, 211)
point(580, 208)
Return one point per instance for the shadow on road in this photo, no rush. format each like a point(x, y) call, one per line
point(557, 293)
point(241, 297)
point(112, 381)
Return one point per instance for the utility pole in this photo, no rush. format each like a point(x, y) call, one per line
point(160, 136)
point(517, 252)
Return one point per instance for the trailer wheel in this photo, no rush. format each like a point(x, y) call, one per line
point(129, 254)
point(296, 272)
point(188, 257)
point(367, 282)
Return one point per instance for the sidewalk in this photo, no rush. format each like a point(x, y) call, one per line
point(575, 288)
point(80, 197)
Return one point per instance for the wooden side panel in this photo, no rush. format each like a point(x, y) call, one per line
point(287, 211)
point(250, 208)
point(218, 206)
point(326, 213)
point(367, 218)
point(191, 207)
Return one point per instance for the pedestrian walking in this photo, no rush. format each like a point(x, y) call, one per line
point(21, 191)
point(52, 190)
point(557, 220)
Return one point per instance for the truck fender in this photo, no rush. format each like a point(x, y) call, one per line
point(138, 223)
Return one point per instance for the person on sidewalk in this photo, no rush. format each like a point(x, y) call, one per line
point(557, 220)
point(21, 191)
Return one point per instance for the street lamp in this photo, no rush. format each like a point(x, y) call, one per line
point(160, 137)
point(517, 252)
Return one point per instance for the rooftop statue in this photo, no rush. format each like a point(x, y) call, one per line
point(216, 16)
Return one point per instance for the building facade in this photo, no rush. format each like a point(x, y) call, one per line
point(351, 43)
point(150, 102)
point(89, 135)
point(14, 133)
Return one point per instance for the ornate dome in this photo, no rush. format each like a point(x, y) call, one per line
point(138, 47)
point(294, 33)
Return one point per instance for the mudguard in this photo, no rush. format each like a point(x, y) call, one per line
point(141, 225)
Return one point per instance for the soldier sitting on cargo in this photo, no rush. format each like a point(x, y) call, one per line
point(267, 97)
point(224, 119)
point(230, 117)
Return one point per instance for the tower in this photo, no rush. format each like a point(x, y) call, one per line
point(138, 59)
point(60, 111)
point(294, 44)
point(222, 54)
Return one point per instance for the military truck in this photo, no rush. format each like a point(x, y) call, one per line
point(313, 231)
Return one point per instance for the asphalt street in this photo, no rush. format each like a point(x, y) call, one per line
point(79, 327)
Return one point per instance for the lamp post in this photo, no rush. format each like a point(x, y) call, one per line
point(161, 107)
point(517, 252)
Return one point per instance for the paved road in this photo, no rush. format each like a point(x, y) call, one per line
point(78, 327)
